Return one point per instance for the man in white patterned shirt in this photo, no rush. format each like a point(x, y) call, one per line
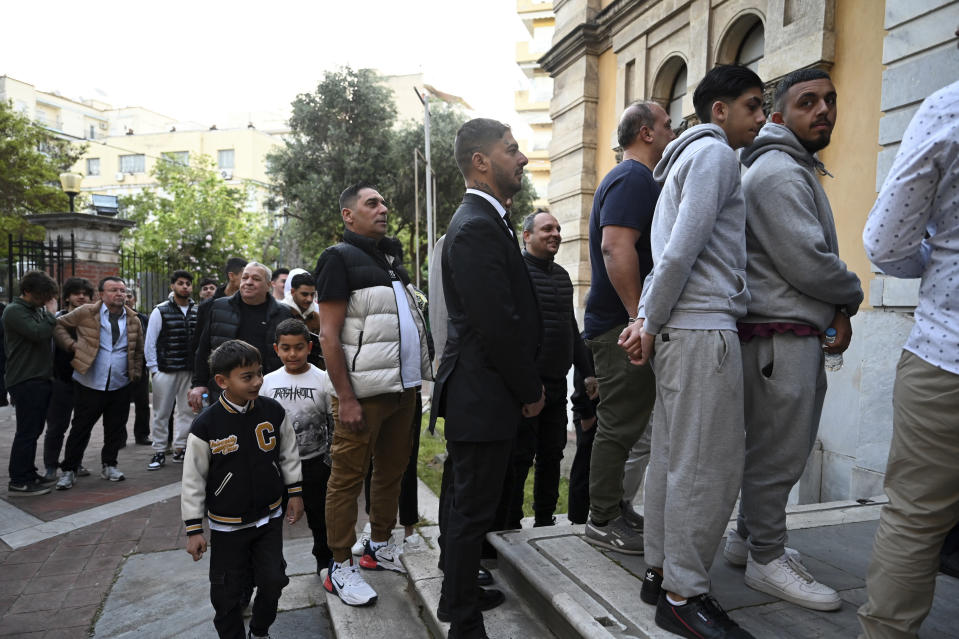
point(913, 231)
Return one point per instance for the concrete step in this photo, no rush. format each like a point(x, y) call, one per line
point(578, 591)
point(512, 620)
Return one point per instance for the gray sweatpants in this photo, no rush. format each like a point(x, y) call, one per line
point(696, 462)
point(784, 388)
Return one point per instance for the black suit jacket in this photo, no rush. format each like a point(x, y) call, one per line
point(488, 369)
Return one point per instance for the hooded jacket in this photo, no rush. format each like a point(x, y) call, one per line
point(794, 271)
point(697, 237)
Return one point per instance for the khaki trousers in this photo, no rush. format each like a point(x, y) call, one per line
point(388, 440)
point(922, 483)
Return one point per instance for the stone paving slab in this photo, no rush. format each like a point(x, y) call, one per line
point(511, 620)
point(552, 567)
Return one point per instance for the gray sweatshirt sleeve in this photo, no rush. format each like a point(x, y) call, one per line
point(800, 254)
point(711, 178)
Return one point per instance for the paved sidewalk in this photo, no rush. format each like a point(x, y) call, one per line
point(55, 586)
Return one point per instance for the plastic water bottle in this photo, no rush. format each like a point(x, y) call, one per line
point(833, 360)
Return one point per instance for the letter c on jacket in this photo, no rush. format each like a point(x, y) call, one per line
point(265, 438)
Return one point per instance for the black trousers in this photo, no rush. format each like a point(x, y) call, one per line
point(88, 406)
point(58, 421)
point(474, 493)
point(31, 398)
point(140, 395)
point(236, 559)
point(579, 475)
point(542, 438)
point(316, 475)
point(409, 501)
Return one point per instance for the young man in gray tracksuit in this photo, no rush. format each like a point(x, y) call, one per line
point(690, 304)
point(799, 287)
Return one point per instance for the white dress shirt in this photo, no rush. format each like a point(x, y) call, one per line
point(496, 204)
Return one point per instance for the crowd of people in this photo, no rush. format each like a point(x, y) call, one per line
point(715, 276)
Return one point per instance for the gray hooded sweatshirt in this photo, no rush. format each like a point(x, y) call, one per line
point(794, 271)
point(697, 237)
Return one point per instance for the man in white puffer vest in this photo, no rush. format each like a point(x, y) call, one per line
point(377, 350)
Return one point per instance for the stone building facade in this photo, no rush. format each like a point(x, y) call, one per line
point(884, 57)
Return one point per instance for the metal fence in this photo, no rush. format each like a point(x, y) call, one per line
point(57, 258)
point(149, 276)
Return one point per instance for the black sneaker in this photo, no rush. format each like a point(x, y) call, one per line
point(652, 587)
point(46, 480)
point(159, 459)
point(700, 617)
point(486, 599)
point(27, 489)
point(631, 517)
point(178, 456)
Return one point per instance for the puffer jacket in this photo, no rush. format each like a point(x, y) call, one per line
point(86, 321)
point(371, 330)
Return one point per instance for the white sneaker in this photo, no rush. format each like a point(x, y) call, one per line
point(786, 578)
point(383, 558)
point(360, 544)
point(736, 552)
point(67, 479)
point(348, 584)
point(112, 473)
point(413, 543)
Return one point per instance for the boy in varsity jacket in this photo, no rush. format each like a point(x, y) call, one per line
point(241, 461)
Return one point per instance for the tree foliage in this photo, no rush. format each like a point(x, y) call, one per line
point(193, 219)
point(342, 133)
point(31, 160)
point(339, 134)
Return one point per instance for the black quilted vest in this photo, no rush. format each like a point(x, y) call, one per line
point(173, 343)
point(554, 291)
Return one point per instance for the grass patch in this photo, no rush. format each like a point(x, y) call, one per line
point(431, 471)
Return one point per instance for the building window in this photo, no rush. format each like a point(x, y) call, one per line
point(224, 159)
point(676, 95)
point(178, 157)
point(93, 132)
point(752, 48)
point(133, 163)
point(93, 166)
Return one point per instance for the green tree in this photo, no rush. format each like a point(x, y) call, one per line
point(31, 160)
point(340, 133)
point(193, 219)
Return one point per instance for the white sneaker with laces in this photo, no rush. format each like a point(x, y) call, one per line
point(360, 544)
point(787, 578)
point(66, 481)
point(348, 584)
point(383, 558)
point(736, 552)
point(112, 473)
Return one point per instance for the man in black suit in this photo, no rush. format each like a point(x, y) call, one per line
point(487, 380)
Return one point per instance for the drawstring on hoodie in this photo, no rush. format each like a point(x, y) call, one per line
point(821, 168)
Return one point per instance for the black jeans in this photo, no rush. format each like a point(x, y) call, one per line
point(474, 492)
point(31, 398)
point(140, 395)
point(58, 421)
point(237, 558)
point(316, 475)
point(542, 438)
point(579, 474)
point(88, 406)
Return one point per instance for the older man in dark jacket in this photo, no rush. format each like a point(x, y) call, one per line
point(543, 437)
point(251, 314)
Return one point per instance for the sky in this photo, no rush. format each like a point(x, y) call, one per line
point(210, 61)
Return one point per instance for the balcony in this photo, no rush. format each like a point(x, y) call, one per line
point(526, 7)
point(522, 102)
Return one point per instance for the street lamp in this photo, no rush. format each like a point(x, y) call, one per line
point(71, 186)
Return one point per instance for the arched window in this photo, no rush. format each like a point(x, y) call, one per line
point(676, 94)
point(752, 47)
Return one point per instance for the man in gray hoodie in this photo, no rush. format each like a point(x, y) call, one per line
point(799, 287)
point(690, 304)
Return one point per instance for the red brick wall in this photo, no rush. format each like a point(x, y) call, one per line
point(95, 271)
